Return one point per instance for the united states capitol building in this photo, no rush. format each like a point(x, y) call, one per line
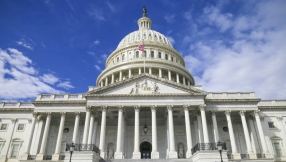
point(145, 105)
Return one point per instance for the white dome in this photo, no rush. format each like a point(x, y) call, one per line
point(144, 34)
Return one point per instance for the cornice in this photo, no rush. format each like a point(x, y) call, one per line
point(59, 102)
point(143, 95)
point(231, 100)
point(272, 107)
point(15, 109)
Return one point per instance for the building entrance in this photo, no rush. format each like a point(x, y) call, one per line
point(145, 149)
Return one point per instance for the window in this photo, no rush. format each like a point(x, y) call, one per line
point(117, 59)
point(277, 149)
point(271, 125)
point(123, 57)
point(225, 129)
point(137, 54)
point(21, 127)
point(166, 56)
point(159, 55)
point(15, 151)
point(276, 144)
point(4, 127)
point(144, 53)
point(66, 130)
point(152, 54)
point(172, 59)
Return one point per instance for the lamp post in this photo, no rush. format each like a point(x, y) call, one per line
point(145, 128)
point(71, 150)
point(219, 147)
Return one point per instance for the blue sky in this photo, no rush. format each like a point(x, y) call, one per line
point(60, 46)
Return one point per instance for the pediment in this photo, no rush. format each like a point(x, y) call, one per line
point(146, 85)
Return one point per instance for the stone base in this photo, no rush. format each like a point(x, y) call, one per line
point(155, 155)
point(118, 155)
point(173, 155)
point(252, 155)
point(268, 155)
point(24, 157)
point(40, 157)
point(236, 156)
point(209, 156)
point(136, 155)
point(3, 158)
point(82, 156)
point(188, 154)
point(56, 157)
point(102, 155)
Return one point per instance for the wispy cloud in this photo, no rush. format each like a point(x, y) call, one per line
point(25, 44)
point(111, 7)
point(90, 53)
point(97, 67)
point(19, 80)
point(171, 39)
point(170, 18)
point(65, 85)
point(95, 43)
point(96, 13)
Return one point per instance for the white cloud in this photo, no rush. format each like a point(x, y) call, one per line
point(111, 7)
point(97, 67)
point(170, 18)
point(171, 39)
point(254, 59)
point(187, 15)
point(19, 80)
point(91, 53)
point(49, 78)
point(95, 43)
point(65, 85)
point(25, 44)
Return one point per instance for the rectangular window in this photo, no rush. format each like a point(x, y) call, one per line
point(123, 57)
point(172, 59)
point(4, 126)
point(166, 56)
point(117, 59)
point(152, 54)
point(144, 53)
point(277, 149)
point(271, 125)
point(159, 55)
point(21, 127)
point(15, 151)
point(137, 54)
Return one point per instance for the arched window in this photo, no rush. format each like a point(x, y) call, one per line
point(15, 148)
point(123, 57)
point(137, 54)
point(117, 59)
point(166, 56)
point(159, 55)
point(2, 142)
point(172, 59)
point(152, 54)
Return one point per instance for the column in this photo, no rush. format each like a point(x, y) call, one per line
point(139, 71)
point(118, 154)
point(76, 124)
point(102, 131)
point(261, 135)
point(215, 130)
point(94, 136)
point(160, 72)
point(92, 116)
point(169, 75)
point(101, 83)
point(189, 83)
point(30, 137)
point(235, 154)
point(40, 156)
point(204, 122)
point(136, 153)
point(246, 135)
point(56, 155)
point(86, 125)
point(154, 153)
point(106, 81)
point(200, 130)
point(188, 130)
point(112, 78)
point(184, 80)
point(173, 153)
point(120, 75)
point(150, 70)
point(177, 76)
point(129, 73)
point(282, 128)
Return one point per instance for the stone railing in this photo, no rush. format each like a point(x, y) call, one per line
point(206, 146)
point(41, 97)
point(83, 147)
point(17, 104)
point(260, 156)
point(231, 95)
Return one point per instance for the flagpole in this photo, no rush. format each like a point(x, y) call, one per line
point(145, 56)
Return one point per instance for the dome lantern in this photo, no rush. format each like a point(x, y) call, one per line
point(144, 22)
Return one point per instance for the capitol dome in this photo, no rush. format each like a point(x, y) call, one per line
point(159, 58)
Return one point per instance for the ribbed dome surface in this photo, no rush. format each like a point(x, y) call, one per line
point(148, 35)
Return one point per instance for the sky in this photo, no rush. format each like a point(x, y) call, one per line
point(60, 46)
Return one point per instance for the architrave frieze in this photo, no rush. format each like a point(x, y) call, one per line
point(56, 102)
point(209, 101)
point(16, 109)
